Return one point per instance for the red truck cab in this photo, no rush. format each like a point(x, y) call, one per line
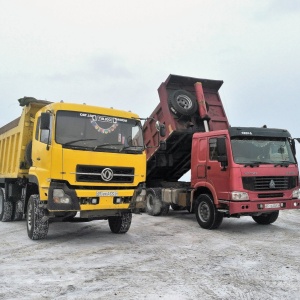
point(245, 171)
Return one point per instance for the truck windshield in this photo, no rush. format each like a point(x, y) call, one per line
point(257, 151)
point(98, 132)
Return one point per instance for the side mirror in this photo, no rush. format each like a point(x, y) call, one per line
point(162, 130)
point(45, 121)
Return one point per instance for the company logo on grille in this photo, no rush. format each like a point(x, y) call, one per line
point(107, 174)
point(272, 184)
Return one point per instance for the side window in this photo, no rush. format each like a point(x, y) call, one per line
point(213, 152)
point(45, 136)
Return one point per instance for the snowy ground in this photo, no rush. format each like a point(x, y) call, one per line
point(168, 257)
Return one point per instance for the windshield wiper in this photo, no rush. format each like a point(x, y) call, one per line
point(253, 164)
point(256, 163)
point(283, 164)
point(131, 148)
point(79, 140)
point(106, 145)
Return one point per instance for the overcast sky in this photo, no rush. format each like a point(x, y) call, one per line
point(116, 53)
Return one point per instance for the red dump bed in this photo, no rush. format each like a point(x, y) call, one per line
point(174, 162)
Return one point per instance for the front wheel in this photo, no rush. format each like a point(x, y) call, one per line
point(207, 215)
point(266, 219)
point(120, 224)
point(37, 221)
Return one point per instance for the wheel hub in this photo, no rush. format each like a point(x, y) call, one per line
point(184, 101)
point(204, 212)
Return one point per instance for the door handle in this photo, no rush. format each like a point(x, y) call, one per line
point(208, 167)
point(38, 158)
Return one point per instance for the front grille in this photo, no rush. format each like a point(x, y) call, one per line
point(269, 183)
point(94, 174)
point(273, 195)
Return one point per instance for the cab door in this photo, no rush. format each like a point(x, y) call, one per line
point(42, 158)
point(217, 171)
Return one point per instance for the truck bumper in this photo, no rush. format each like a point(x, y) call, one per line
point(247, 207)
point(88, 200)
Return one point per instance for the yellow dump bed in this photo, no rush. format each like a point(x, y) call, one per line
point(14, 138)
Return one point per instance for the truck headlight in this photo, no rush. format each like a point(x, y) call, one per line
point(59, 196)
point(239, 196)
point(296, 194)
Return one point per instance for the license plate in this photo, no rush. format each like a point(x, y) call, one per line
point(107, 194)
point(272, 205)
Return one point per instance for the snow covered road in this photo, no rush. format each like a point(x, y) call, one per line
point(167, 257)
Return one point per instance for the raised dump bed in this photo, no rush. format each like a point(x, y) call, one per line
point(186, 105)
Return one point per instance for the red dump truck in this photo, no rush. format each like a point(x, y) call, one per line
point(235, 171)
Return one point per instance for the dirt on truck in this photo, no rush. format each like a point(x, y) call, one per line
point(70, 162)
point(235, 171)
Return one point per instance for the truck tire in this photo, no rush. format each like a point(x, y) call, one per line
point(28, 155)
point(182, 103)
point(6, 208)
point(207, 215)
point(120, 224)
point(266, 219)
point(18, 211)
point(36, 218)
point(154, 204)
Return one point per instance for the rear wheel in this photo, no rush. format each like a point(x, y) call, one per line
point(265, 219)
point(18, 210)
point(37, 220)
point(6, 208)
point(154, 204)
point(120, 224)
point(206, 213)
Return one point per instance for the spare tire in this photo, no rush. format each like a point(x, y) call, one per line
point(28, 157)
point(182, 103)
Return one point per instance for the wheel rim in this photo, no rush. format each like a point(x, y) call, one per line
point(29, 216)
point(204, 212)
point(184, 102)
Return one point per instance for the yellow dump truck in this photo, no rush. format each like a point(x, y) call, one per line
point(71, 162)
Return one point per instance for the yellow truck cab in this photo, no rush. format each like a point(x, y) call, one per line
point(70, 162)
